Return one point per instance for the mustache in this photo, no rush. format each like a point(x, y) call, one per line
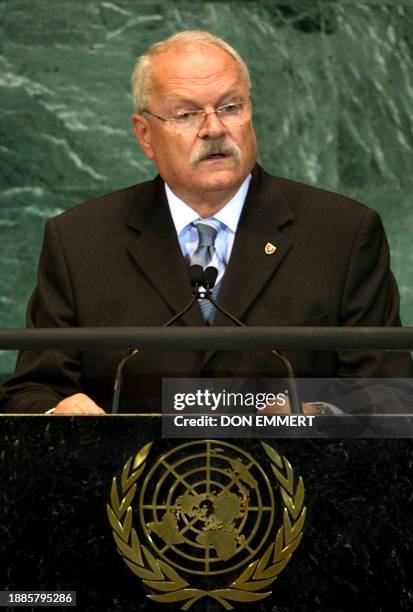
point(219, 145)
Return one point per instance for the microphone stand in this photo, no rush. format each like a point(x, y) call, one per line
point(118, 380)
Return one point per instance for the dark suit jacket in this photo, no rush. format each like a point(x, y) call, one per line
point(116, 261)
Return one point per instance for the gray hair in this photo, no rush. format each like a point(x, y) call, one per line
point(141, 78)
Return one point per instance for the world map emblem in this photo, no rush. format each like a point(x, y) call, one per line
point(201, 520)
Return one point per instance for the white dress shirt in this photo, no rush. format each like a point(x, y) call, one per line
point(183, 216)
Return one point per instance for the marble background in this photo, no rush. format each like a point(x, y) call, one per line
point(333, 85)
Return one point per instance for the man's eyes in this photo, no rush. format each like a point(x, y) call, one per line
point(227, 109)
point(185, 117)
point(230, 109)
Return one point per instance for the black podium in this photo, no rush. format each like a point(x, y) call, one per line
point(56, 479)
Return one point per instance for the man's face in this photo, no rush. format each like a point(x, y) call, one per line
point(203, 79)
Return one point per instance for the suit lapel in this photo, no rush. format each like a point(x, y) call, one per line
point(156, 251)
point(251, 265)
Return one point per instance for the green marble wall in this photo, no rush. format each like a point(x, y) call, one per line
point(333, 84)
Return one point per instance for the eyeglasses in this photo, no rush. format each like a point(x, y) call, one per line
point(234, 114)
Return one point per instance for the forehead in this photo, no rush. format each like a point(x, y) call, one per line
point(199, 73)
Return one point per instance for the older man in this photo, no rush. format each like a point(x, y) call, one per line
point(287, 254)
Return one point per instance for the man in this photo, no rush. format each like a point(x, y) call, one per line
point(287, 254)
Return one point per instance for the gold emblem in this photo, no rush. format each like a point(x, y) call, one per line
point(206, 508)
point(270, 249)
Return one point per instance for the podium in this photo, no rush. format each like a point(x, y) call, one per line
point(67, 485)
point(57, 474)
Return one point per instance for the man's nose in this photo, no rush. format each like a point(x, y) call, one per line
point(212, 126)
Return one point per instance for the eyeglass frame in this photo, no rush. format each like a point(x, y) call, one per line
point(199, 113)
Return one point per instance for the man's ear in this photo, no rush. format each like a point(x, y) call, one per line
point(142, 132)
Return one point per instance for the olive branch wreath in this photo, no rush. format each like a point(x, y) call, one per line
point(161, 577)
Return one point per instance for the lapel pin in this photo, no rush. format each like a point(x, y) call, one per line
point(270, 249)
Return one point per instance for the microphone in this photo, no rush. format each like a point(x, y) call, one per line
point(196, 275)
point(210, 277)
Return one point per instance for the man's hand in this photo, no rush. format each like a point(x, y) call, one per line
point(310, 409)
point(79, 403)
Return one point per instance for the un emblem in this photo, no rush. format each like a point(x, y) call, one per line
point(206, 515)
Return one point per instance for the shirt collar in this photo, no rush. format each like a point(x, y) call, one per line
point(183, 215)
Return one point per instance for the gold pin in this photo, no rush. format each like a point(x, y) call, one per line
point(270, 249)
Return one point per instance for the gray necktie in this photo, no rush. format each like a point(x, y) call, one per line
point(206, 255)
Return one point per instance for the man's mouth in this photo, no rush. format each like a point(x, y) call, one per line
point(219, 155)
point(213, 151)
